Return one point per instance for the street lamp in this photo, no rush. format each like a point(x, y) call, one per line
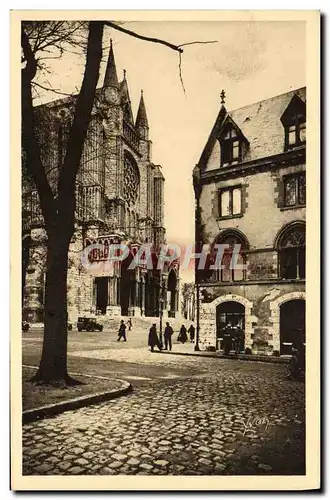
point(198, 240)
point(161, 301)
point(160, 307)
point(196, 348)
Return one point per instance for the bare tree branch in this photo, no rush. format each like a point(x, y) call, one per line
point(143, 37)
point(194, 43)
point(29, 141)
point(180, 72)
point(48, 89)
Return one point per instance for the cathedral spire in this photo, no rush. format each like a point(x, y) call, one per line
point(141, 117)
point(111, 79)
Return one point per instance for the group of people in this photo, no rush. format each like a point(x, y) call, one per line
point(154, 341)
point(183, 337)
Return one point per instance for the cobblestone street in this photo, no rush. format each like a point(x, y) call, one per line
point(210, 417)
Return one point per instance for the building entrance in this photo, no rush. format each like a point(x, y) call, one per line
point(292, 324)
point(231, 314)
point(101, 285)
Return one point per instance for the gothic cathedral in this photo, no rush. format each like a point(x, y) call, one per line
point(119, 199)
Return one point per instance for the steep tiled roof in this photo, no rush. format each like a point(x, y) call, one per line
point(260, 123)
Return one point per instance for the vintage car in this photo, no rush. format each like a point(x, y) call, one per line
point(89, 324)
point(25, 326)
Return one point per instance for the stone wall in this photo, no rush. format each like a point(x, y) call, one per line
point(262, 218)
point(261, 302)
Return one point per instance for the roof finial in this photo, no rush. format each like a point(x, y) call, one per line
point(223, 96)
point(141, 92)
point(124, 71)
point(110, 42)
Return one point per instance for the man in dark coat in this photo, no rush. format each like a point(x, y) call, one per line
point(227, 340)
point(153, 338)
point(191, 331)
point(122, 331)
point(168, 336)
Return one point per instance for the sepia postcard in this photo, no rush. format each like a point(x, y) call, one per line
point(165, 289)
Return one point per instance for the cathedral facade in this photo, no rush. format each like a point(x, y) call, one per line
point(119, 200)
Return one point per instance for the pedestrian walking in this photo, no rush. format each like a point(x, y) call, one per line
point(153, 339)
point(183, 335)
point(191, 331)
point(122, 331)
point(129, 324)
point(168, 336)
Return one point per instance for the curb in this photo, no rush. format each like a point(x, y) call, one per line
point(73, 404)
point(242, 357)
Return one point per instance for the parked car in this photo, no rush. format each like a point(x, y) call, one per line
point(89, 324)
point(25, 326)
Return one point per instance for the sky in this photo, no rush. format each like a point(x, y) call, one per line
point(251, 61)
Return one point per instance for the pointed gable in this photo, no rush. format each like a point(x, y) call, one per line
point(213, 138)
point(295, 108)
point(227, 124)
point(260, 123)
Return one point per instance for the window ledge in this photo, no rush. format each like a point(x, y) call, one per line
point(301, 145)
point(230, 164)
point(276, 281)
point(225, 217)
point(292, 207)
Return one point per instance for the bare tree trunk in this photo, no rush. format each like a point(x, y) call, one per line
point(59, 214)
point(53, 364)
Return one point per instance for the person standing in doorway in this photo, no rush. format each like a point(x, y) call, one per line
point(122, 331)
point(227, 339)
point(153, 339)
point(129, 324)
point(191, 331)
point(168, 336)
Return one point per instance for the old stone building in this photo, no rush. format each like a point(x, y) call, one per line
point(250, 188)
point(119, 199)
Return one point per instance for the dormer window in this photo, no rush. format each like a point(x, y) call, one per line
point(295, 133)
point(294, 122)
point(230, 147)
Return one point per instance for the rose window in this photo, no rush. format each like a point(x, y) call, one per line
point(131, 182)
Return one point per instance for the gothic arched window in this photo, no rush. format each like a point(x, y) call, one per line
point(131, 181)
point(233, 257)
point(291, 252)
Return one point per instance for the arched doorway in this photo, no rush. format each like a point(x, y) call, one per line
point(232, 314)
point(292, 324)
point(172, 290)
